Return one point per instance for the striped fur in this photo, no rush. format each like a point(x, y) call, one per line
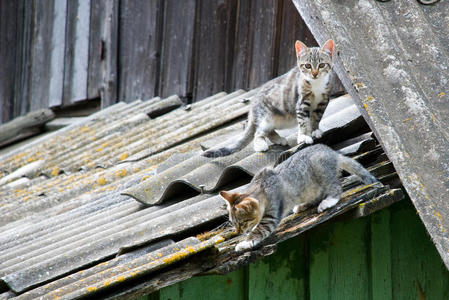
point(307, 178)
point(299, 97)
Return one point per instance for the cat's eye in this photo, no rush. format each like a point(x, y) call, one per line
point(308, 66)
point(321, 66)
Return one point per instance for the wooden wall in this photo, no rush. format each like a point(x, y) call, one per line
point(57, 53)
point(387, 255)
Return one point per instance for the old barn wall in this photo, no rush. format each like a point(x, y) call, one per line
point(56, 53)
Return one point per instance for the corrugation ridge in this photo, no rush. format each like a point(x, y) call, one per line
point(162, 225)
point(152, 133)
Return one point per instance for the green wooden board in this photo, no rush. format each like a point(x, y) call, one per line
point(417, 270)
point(226, 287)
point(280, 276)
point(381, 255)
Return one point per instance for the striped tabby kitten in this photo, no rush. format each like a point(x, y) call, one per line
point(298, 97)
point(308, 177)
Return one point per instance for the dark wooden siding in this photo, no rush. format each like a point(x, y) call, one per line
point(387, 255)
point(57, 53)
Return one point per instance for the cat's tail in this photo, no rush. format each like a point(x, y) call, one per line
point(350, 165)
point(234, 145)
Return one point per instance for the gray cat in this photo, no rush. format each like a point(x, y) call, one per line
point(308, 177)
point(298, 97)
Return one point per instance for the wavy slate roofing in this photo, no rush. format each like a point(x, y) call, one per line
point(394, 62)
point(70, 228)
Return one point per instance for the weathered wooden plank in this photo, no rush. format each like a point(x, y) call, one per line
point(57, 53)
point(76, 51)
point(8, 48)
point(214, 47)
point(109, 57)
point(266, 16)
point(217, 287)
point(96, 51)
point(381, 255)
point(349, 252)
point(24, 126)
point(319, 260)
point(41, 54)
point(242, 46)
point(280, 276)
point(417, 272)
point(140, 43)
point(177, 48)
point(292, 28)
point(23, 53)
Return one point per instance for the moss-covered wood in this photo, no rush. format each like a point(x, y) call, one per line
point(387, 255)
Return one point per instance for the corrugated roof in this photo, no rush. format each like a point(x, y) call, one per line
point(394, 61)
point(63, 226)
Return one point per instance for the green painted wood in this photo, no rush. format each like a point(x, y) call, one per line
point(319, 276)
point(217, 287)
point(417, 270)
point(348, 261)
point(381, 255)
point(280, 276)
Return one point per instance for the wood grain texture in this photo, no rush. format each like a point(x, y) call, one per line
point(177, 49)
point(109, 54)
point(265, 16)
point(280, 276)
point(214, 45)
point(139, 48)
point(381, 283)
point(41, 54)
point(219, 287)
point(57, 53)
point(8, 28)
point(77, 45)
point(23, 57)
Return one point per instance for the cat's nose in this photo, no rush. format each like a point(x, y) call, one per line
point(314, 73)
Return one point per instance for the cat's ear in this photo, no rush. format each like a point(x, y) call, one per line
point(300, 47)
point(228, 196)
point(249, 205)
point(328, 47)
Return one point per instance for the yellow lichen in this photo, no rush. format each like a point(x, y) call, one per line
point(55, 171)
point(121, 173)
point(91, 289)
point(145, 177)
point(124, 156)
point(175, 257)
point(99, 149)
point(101, 180)
point(220, 239)
point(190, 249)
point(441, 94)
point(31, 159)
point(369, 98)
point(120, 278)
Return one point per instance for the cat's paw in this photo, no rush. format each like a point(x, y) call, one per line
point(299, 208)
point(317, 134)
point(244, 245)
point(260, 144)
point(302, 138)
point(327, 203)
